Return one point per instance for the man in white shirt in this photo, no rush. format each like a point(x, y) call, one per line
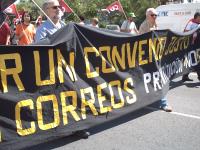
point(129, 26)
point(192, 24)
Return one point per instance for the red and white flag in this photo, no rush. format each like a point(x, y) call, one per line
point(116, 6)
point(65, 7)
point(12, 10)
point(5, 3)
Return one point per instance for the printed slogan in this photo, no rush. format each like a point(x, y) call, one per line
point(56, 87)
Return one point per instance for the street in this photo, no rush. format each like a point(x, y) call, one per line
point(148, 128)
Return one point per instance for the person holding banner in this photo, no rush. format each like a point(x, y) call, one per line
point(25, 31)
point(148, 25)
point(129, 26)
point(192, 24)
point(53, 13)
point(5, 33)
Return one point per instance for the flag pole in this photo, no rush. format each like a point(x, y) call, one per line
point(43, 13)
point(4, 19)
point(122, 9)
point(76, 15)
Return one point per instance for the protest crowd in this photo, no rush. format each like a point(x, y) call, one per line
point(22, 30)
point(24, 24)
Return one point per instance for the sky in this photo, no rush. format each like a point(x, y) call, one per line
point(17, 1)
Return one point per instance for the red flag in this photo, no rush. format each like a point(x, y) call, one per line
point(116, 6)
point(65, 7)
point(5, 3)
point(12, 10)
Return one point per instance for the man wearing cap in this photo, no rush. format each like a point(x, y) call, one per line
point(129, 26)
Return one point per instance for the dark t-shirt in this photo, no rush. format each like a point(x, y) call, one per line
point(4, 32)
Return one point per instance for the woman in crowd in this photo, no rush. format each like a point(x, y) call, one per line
point(25, 31)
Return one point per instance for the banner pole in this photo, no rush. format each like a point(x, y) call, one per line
point(122, 9)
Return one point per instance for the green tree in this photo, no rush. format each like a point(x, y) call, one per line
point(28, 5)
point(92, 8)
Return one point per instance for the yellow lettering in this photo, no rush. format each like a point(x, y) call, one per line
point(102, 98)
point(69, 108)
point(162, 43)
point(56, 121)
point(176, 45)
point(186, 43)
point(152, 50)
point(105, 62)
point(89, 102)
point(11, 71)
point(116, 56)
point(39, 81)
point(131, 58)
point(172, 45)
point(88, 71)
point(142, 53)
point(18, 107)
point(69, 68)
point(111, 85)
point(0, 136)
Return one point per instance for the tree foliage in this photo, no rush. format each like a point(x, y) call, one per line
point(28, 5)
point(92, 8)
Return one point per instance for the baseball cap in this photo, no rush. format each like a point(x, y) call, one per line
point(131, 15)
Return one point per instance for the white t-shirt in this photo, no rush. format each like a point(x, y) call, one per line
point(191, 25)
point(129, 26)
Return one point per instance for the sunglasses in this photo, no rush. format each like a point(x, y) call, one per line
point(55, 7)
point(153, 15)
